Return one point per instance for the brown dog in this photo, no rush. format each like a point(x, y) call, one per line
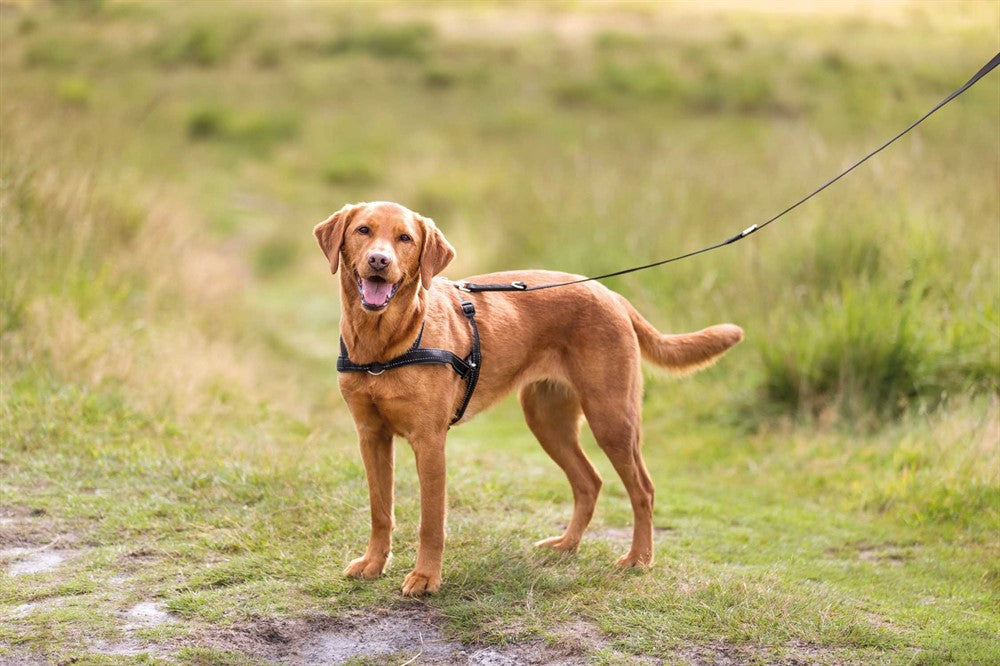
point(570, 351)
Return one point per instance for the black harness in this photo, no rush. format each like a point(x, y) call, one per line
point(467, 368)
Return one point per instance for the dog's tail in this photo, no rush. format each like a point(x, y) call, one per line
point(683, 352)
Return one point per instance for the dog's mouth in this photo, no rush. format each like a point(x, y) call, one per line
point(376, 291)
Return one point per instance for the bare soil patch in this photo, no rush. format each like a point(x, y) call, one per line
point(21, 526)
point(147, 614)
point(395, 635)
point(793, 654)
point(19, 561)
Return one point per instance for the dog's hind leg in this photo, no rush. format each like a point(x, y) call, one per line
point(620, 440)
point(553, 412)
point(611, 399)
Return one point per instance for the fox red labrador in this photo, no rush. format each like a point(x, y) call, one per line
point(571, 352)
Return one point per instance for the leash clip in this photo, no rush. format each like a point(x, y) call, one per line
point(517, 284)
point(463, 286)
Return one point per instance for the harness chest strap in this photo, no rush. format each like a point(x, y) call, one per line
point(467, 368)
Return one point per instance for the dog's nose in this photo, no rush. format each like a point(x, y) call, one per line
point(378, 260)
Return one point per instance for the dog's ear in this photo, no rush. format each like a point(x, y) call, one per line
point(436, 253)
point(330, 233)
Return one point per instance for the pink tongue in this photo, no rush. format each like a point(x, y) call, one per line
point(375, 293)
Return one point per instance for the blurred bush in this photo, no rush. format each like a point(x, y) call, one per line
point(406, 40)
point(253, 131)
point(275, 255)
point(204, 43)
point(48, 52)
point(75, 91)
point(862, 353)
point(349, 168)
point(208, 122)
point(876, 342)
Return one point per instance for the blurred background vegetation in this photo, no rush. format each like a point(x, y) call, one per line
point(163, 165)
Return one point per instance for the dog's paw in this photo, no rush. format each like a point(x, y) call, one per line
point(559, 543)
point(367, 567)
point(417, 583)
point(635, 560)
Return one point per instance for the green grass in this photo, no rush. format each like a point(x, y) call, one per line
point(169, 414)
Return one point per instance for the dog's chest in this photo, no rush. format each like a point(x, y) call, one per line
point(387, 388)
point(402, 397)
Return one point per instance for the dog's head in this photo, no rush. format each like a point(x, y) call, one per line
point(383, 247)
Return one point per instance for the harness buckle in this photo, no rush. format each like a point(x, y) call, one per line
point(373, 367)
point(468, 309)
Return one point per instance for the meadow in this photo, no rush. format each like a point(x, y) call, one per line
point(179, 478)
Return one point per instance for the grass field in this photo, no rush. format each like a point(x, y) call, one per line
point(179, 479)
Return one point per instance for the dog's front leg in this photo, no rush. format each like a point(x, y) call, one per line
point(378, 455)
point(426, 575)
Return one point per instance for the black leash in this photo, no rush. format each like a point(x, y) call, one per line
point(467, 368)
point(522, 286)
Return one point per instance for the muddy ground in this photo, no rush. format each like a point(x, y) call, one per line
point(410, 632)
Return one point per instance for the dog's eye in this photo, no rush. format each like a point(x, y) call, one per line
point(405, 238)
point(364, 231)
